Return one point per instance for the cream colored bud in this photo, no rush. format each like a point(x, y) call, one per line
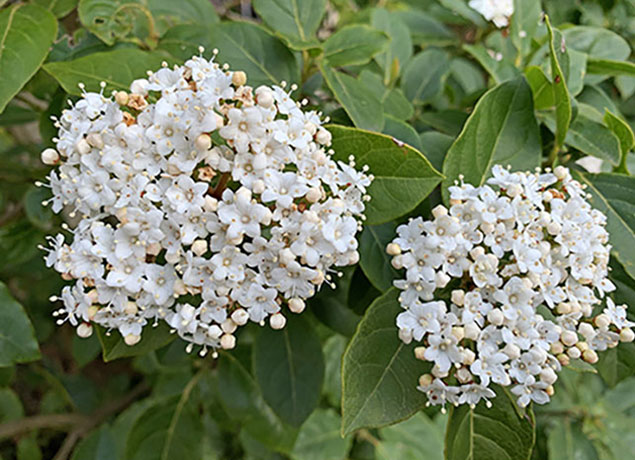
point(139, 86)
point(458, 332)
point(472, 331)
point(438, 373)
point(239, 78)
point(313, 195)
point(319, 278)
point(586, 330)
point(439, 211)
point(132, 339)
point(277, 321)
point(512, 351)
point(296, 305)
point(574, 352)
point(477, 252)
point(560, 172)
point(153, 249)
point(590, 356)
point(495, 316)
point(468, 356)
point(92, 311)
point(95, 140)
point(199, 247)
point(627, 335)
point(286, 256)
point(514, 190)
point(397, 262)
point(441, 279)
point(463, 375)
point(563, 359)
point(563, 308)
point(179, 287)
point(227, 342)
point(84, 330)
point(602, 321)
point(211, 204)
point(93, 295)
point(458, 297)
point(420, 353)
point(550, 390)
point(557, 348)
point(203, 142)
point(548, 376)
point(220, 121)
point(50, 156)
point(554, 228)
point(130, 308)
point(488, 228)
point(569, 338)
point(172, 258)
point(393, 249)
point(405, 335)
point(582, 346)
point(425, 380)
point(258, 186)
point(82, 146)
point(353, 258)
point(323, 137)
point(240, 316)
point(264, 97)
point(121, 97)
point(228, 326)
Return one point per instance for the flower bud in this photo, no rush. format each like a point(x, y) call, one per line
point(211, 204)
point(554, 228)
point(121, 97)
point(569, 338)
point(203, 142)
point(574, 352)
point(458, 297)
point(548, 376)
point(228, 326)
point(439, 211)
point(277, 321)
point(512, 351)
point(393, 249)
point(199, 247)
point(563, 308)
point(82, 146)
point(227, 342)
point(139, 86)
point(438, 373)
point(405, 335)
point(130, 308)
point(313, 194)
point(602, 321)
point(84, 330)
point(239, 78)
point(463, 375)
point(468, 356)
point(495, 316)
point(557, 348)
point(441, 279)
point(627, 335)
point(586, 330)
point(50, 157)
point(240, 317)
point(458, 332)
point(472, 331)
point(132, 339)
point(425, 380)
point(95, 140)
point(397, 262)
point(590, 356)
point(264, 97)
point(560, 172)
point(563, 359)
point(550, 390)
point(582, 346)
point(420, 353)
point(296, 305)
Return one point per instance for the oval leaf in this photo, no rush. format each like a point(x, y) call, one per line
point(425, 74)
point(319, 438)
point(295, 20)
point(403, 176)
point(289, 368)
point(27, 33)
point(379, 372)
point(373, 258)
point(501, 130)
point(353, 45)
point(152, 338)
point(17, 338)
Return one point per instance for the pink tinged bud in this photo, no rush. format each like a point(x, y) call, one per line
point(50, 157)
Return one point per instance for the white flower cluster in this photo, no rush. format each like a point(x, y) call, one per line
point(523, 264)
point(199, 201)
point(497, 11)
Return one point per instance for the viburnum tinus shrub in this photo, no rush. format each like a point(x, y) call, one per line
point(200, 201)
point(506, 287)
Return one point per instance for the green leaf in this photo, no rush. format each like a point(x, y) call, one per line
point(10, 406)
point(320, 439)
point(333, 351)
point(59, 8)
point(502, 129)
point(402, 131)
point(39, 215)
point(295, 20)
point(425, 75)
point(461, 8)
point(373, 258)
point(170, 428)
point(241, 398)
point(467, 74)
point(617, 364)
point(379, 372)
point(353, 45)
point(358, 101)
point(98, 445)
point(613, 195)
point(182, 41)
point(250, 48)
point(425, 29)
point(17, 337)
point(435, 146)
point(142, 19)
point(399, 50)
point(524, 24)
point(610, 67)
point(403, 176)
point(500, 70)
point(152, 338)
point(289, 368)
point(117, 68)
point(393, 99)
point(624, 134)
point(597, 42)
point(27, 33)
point(566, 441)
point(559, 83)
point(541, 88)
point(502, 432)
point(416, 438)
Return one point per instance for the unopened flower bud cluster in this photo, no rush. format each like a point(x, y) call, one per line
point(522, 264)
point(201, 202)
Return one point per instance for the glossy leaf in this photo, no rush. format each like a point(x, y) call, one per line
point(295, 20)
point(403, 176)
point(249, 48)
point(17, 338)
point(502, 129)
point(27, 32)
point(117, 68)
point(613, 195)
point(424, 76)
point(361, 105)
point(320, 439)
point(353, 45)
point(152, 338)
point(373, 258)
point(502, 432)
point(289, 369)
point(379, 372)
point(558, 55)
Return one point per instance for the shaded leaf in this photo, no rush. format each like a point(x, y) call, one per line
point(17, 337)
point(399, 49)
point(373, 258)
point(320, 439)
point(562, 100)
point(416, 438)
point(566, 441)
point(295, 20)
point(353, 45)
point(152, 338)
point(425, 74)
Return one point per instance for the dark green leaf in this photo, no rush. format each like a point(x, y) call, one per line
point(609, 67)
point(624, 134)
point(332, 306)
point(467, 74)
point(250, 48)
point(379, 372)
point(501, 130)
point(17, 338)
point(295, 20)
point(182, 41)
point(333, 351)
point(435, 146)
point(524, 24)
point(353, 45)
point(566, 441)
point(27, 33)
point(417, 438)
point(402, 131)
point(399, 51)
point(502, 432)
point(98, 445)
point(558, 55)
point(114, 347)
point(425, 74)
point(117, 68)
point(373, 258)
point(500, 70)
point(10, 406)
point(289, 368)
point(59, 8)
point(617, 363)
point(320, 439)
point(425, 29)
point(359, 102)
point(395, 103)
point(462, 9)
point(403, 176)
point(541, 88)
